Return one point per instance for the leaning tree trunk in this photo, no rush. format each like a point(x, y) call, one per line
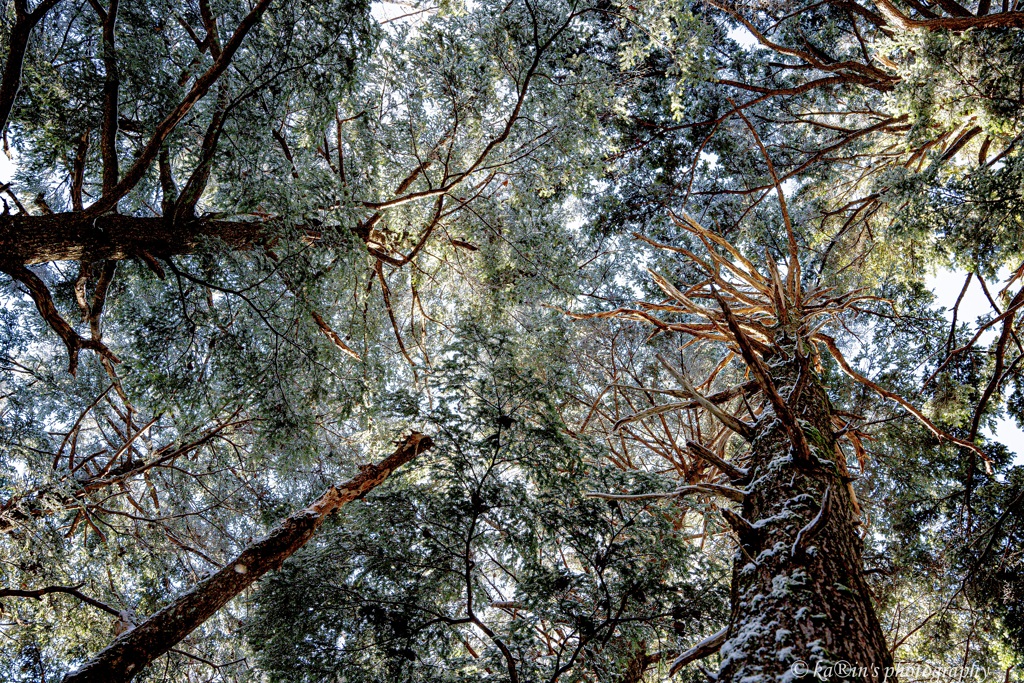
point(132, 651)
point(799, 599)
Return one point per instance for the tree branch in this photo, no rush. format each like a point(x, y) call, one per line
point(44, 302)
point(833, 348)
point(69, 590)
point(735, 473)
point(956, 23)
point(164, 129)
point(24, 22)
point(728, 492)
point(111, 86)
point(27, 240)
point(704, 648)
point(763, 377)
point(730, 421)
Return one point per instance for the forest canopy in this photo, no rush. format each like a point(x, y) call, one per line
point(518, 341)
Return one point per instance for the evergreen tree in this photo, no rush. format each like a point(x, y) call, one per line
point(251, 246)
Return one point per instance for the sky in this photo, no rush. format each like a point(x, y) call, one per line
point(6, 168)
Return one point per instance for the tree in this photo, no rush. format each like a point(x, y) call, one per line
point(227, 261)
point(304, 230)
point(497, 562)
point(288, 85)
point(140, 645)
point(857, 125)
point(797, 529)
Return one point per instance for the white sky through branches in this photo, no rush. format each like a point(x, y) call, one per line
point(946, 285)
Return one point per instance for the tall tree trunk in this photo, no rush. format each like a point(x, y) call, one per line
point(135, 649)
point(799, 598)
point(25, 240)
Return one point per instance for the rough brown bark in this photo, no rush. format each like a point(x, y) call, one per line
point(26, 240)
point(135, 649)
point(962, 22)
point(111, 87)
point(798, 592)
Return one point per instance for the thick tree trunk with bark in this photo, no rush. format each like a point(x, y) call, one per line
point(798, 592)
point(25, 240)
point(136, 648)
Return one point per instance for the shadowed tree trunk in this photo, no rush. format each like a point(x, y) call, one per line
point(136, 648)
point(25, 240)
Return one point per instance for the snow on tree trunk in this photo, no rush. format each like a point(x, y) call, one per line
point(799, 598)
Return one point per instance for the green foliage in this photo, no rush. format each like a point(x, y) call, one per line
point(490, 543)
point(488, 551)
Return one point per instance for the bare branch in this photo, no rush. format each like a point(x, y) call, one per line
point(734, 472)
point(730, 421)
point(332, 335)
point(728, 492)
point(804, 536)
point(955, 23)
point(701, 650)
point(68, 590)
point(837, 354)
point(763, 377)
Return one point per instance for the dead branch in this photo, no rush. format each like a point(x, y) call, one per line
point(833, 348)
point(332, 335)
point(730, 421)
point(728, 492)
point(807, 533)
point(701, 650)
point(734, 472)
point(68, 590)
